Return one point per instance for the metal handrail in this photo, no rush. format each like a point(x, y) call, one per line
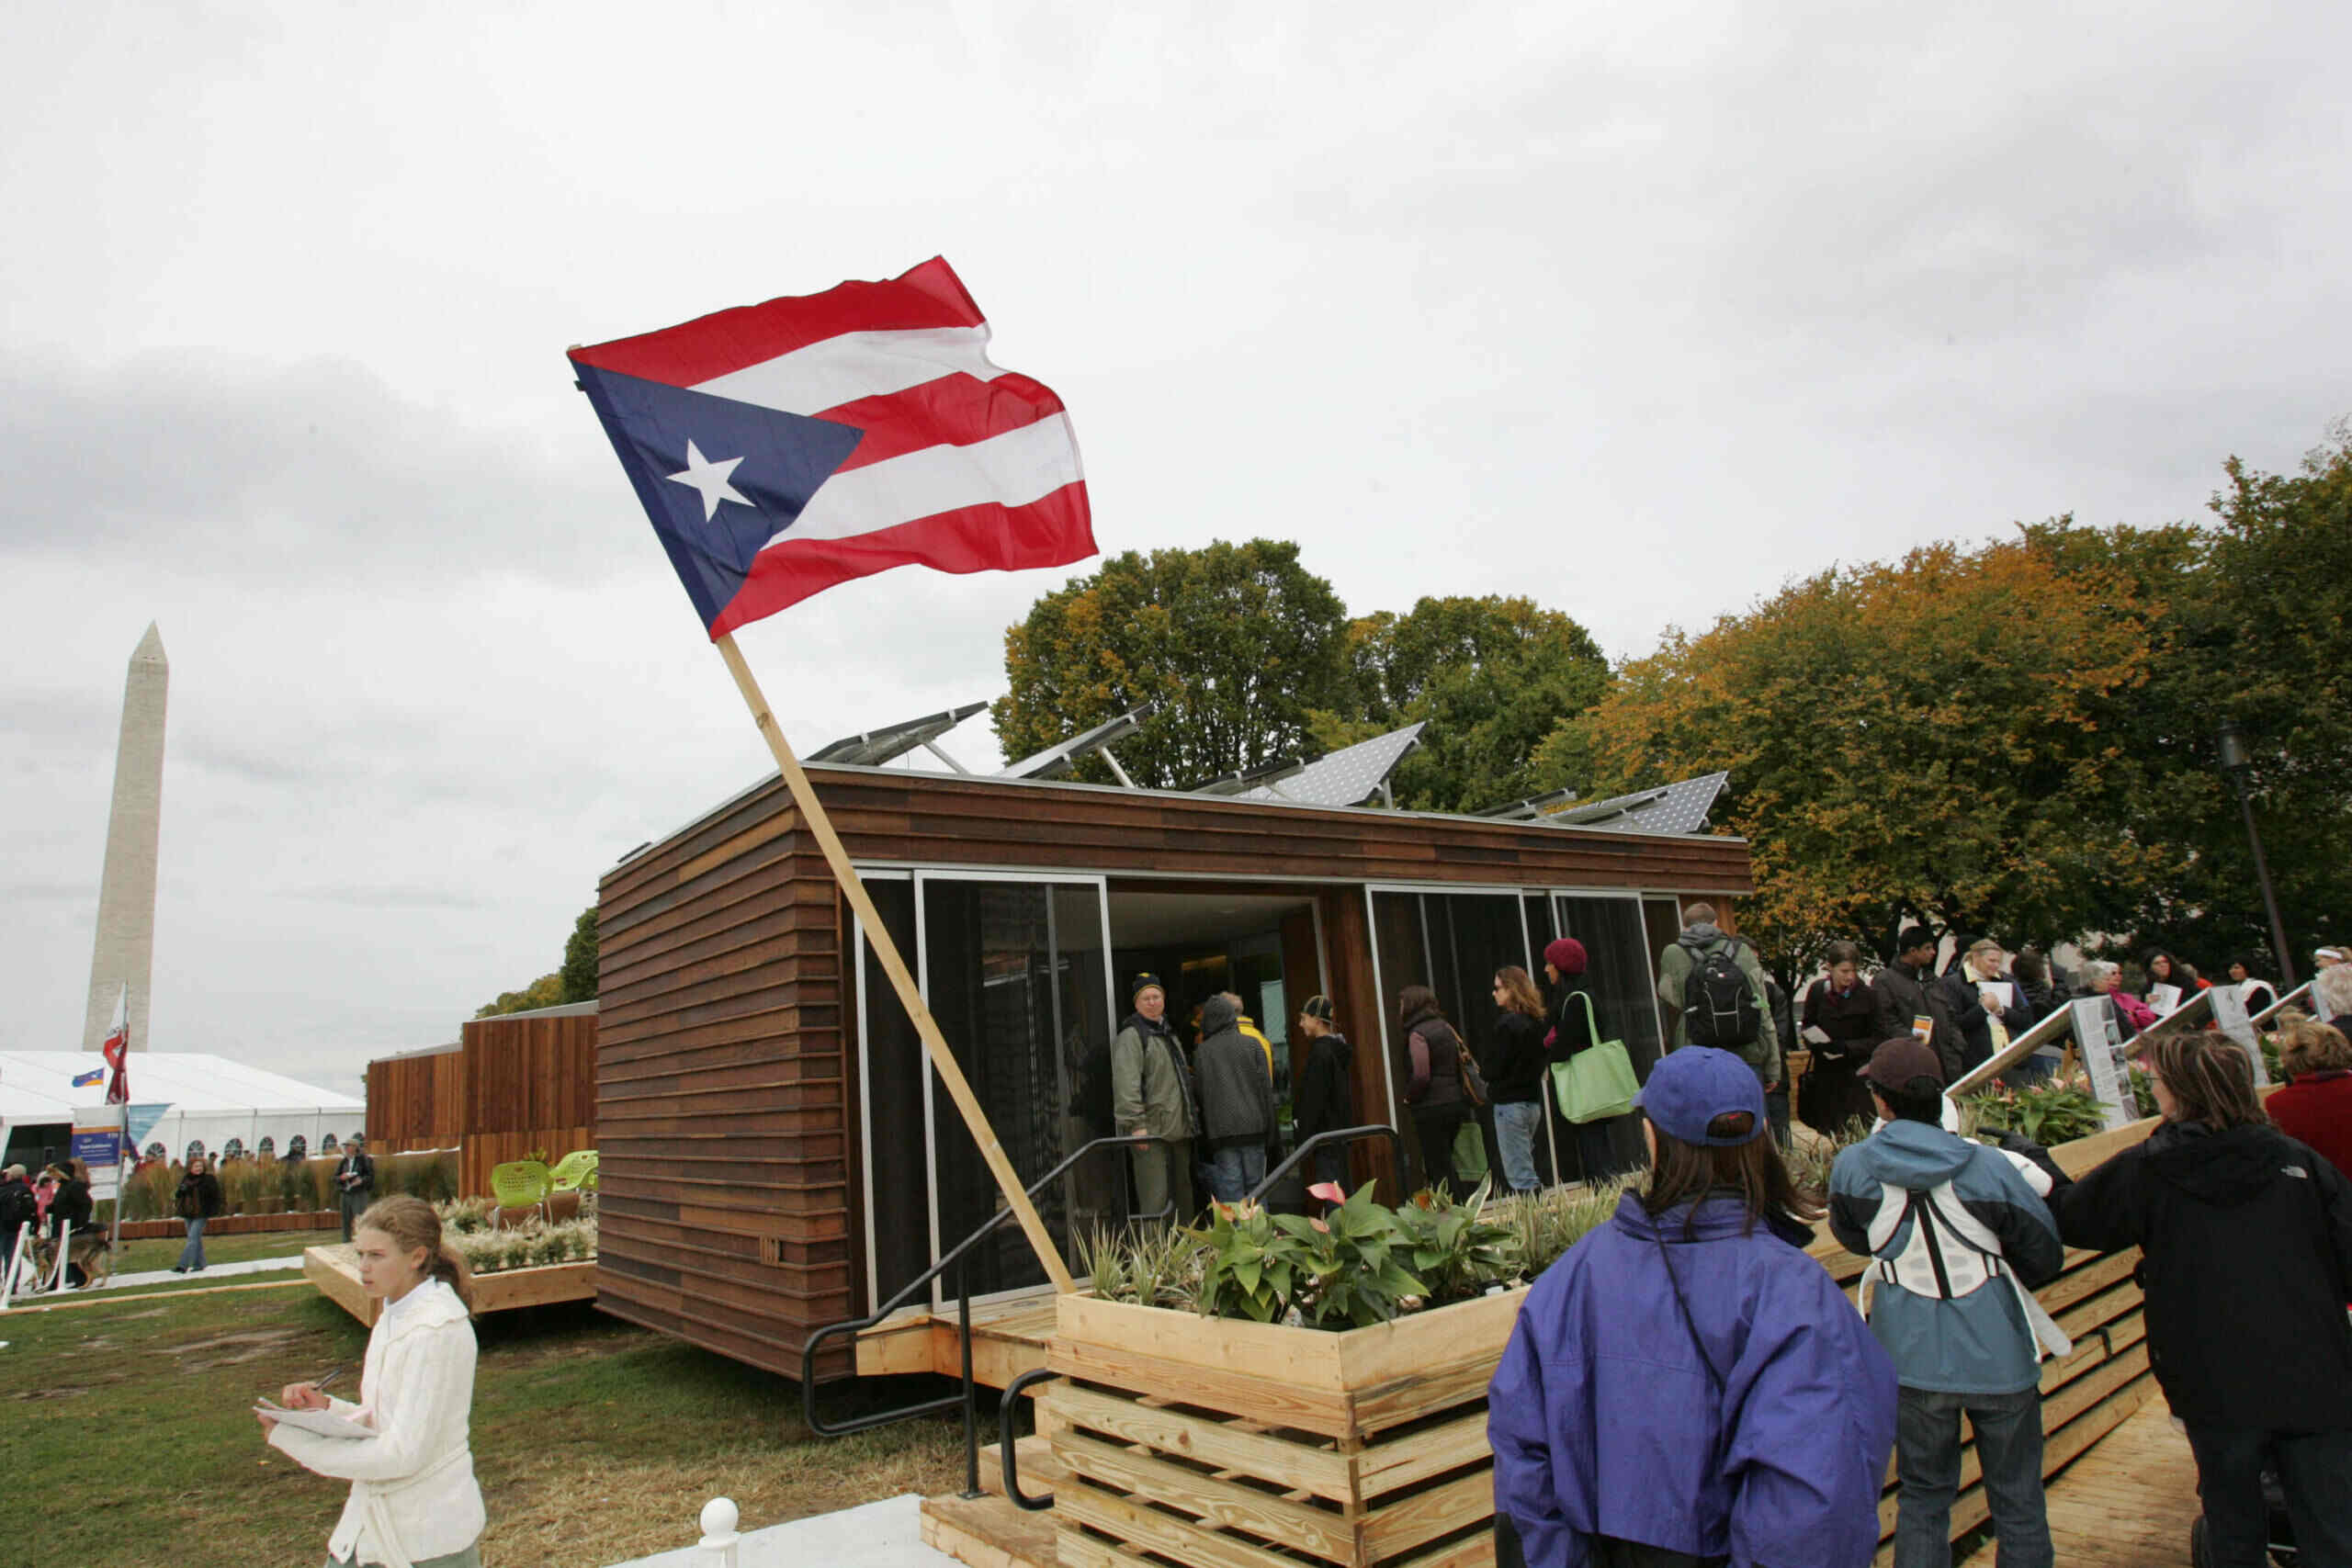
point(954, 1259)
point(1008, 1450)
point(1338, 1135)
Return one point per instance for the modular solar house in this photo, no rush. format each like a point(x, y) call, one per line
point(776, 1155)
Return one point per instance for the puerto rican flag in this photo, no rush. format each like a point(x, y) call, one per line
point(782, 448)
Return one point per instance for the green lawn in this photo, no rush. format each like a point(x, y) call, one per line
point(595, 1441)
point(144, 1257)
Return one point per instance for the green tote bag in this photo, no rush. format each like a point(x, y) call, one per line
point(1598, 1081)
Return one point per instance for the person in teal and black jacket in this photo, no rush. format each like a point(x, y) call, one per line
point(1958, 1234)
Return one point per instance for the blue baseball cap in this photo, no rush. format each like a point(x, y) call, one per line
point(1693, 1086)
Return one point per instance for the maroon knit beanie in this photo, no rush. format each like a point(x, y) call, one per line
point(1567, 955)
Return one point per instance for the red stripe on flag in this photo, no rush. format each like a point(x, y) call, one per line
point(955, 411)
point(726, 341)
point(1054, 530)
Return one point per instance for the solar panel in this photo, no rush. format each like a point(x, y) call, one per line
point(1061, 759)
point(887, 744)
point(1349, 777)
point(1672, 808)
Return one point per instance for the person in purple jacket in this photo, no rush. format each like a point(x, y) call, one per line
point(1686, 1387)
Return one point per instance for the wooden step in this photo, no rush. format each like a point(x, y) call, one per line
point(1040, 1470)
point(988, 1532)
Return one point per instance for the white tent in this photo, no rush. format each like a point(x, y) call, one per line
point(176, 1099)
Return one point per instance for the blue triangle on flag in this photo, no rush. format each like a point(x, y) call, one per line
point(774, 461)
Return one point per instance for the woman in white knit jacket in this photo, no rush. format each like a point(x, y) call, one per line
point(413, 1501)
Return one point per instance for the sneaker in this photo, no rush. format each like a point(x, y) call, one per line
point(178, 1269)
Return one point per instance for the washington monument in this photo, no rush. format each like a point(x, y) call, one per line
point(124, 952)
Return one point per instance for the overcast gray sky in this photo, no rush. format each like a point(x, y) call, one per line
point(1639, 310)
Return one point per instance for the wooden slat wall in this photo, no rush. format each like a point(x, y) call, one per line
point(721, 1118)
point(417, 1102)
point(525, 1072)
point(724, 1121)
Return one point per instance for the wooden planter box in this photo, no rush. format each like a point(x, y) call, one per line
point(1246, 1445)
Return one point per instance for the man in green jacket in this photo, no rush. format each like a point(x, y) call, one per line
point(1151, 1096)
point(1701, 937)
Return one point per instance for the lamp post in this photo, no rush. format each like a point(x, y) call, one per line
point(2238, 769)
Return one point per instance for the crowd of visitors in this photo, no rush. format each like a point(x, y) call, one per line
point(1685, 1388)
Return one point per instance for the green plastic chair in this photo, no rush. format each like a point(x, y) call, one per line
point(520, 1184)
point(575, 1172)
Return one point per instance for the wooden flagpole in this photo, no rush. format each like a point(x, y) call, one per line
point(934, 1045)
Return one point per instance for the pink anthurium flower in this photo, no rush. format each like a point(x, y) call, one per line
point(1330, 1192)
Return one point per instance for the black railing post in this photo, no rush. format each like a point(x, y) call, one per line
point(971, 1390)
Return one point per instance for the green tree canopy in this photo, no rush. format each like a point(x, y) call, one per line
point(1493, 677)
point(545, 991)
point(579, 969)
point(1238, 642)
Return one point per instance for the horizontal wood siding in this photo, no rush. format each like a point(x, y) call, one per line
point(721, 1119)
point(724, 1118)
point(417, 1102)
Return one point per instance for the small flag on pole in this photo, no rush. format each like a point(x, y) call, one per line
point(117, 1046)
point(780, 449)
point(84, 1080)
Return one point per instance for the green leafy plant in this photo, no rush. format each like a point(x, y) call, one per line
point(1456, 1249)
point(1251, 1263)
point(2048, 1113)
point(1349, 1266)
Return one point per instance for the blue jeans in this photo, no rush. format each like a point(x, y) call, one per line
point(1234, 1170)
point(1516, 1127)
point(2314, 1470)
point(1926, 1461)
point(192, 1255)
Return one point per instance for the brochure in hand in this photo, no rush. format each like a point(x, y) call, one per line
point(324, 1423)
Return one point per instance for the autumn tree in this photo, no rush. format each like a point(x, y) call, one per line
point(1923, 739)
point(1239, 643)
point(1492, 676)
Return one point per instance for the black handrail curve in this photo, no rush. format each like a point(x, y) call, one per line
point(1338, 1135)
point(954, 1259)
point(1007, 1444)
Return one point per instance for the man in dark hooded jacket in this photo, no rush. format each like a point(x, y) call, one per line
point(1905, 994)
point(1236, 1099)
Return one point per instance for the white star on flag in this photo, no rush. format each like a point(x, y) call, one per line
point(713, 479)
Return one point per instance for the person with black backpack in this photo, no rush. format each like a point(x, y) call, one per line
point(1713, 986)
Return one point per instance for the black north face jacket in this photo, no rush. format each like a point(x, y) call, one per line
point(2248, 1265)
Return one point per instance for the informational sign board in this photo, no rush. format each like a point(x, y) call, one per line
point(2095, 1041)
point(97, 1144)
point(2230, 1018)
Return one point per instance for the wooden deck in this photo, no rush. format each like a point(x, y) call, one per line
point(2126, 1504)
point(335, 1271)
point(1008, 1338)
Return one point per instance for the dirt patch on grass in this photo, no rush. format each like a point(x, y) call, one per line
point(229, 1349)
point(64, 1391)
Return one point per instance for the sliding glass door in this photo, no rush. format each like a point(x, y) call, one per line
point(1016, 974)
